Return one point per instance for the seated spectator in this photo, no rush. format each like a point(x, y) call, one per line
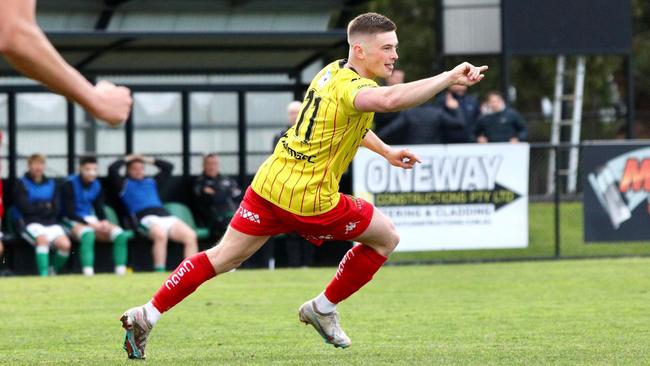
point(216, 196)
point(139, 194)
point(456, 97)
point(422, 124)
point(37, 210)
point(83, 210)
point(500, 124)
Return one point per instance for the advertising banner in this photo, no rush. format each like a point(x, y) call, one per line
point(462, 196)
point(616, 191)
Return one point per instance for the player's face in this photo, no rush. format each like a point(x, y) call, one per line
point(211, 166)
point(88, 172)
point(136, 170)
point(36, 169)
point(381, 54)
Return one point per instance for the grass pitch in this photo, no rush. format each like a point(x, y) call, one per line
point(587, 312)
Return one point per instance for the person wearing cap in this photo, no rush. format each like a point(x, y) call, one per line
point(140, 197)
point(84, 217)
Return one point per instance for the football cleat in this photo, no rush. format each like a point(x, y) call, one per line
point(327, 325)
point(137, 327)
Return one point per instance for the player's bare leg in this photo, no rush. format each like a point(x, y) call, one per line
point(233, 249)
point(355, 270)
point(182, 233)
point(159, 247)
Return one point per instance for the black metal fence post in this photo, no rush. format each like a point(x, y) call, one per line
point(556, 174)
point(70, 127)
point(128, 133)
point(241, 130)
point(11, 138)
point(185, 121)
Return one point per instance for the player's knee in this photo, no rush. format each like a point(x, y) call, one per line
point(63, 243)
point(190, 237)
point(393, 238)
point(157, 234)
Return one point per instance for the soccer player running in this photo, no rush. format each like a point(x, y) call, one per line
point(296, 188)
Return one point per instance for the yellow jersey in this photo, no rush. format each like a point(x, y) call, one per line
point(302, 175)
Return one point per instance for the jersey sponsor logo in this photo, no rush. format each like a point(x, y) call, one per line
point(297, 155)
point(184, 268)
point(248, 215)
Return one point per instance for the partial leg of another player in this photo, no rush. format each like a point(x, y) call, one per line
point(234, 248)
point(357, 268)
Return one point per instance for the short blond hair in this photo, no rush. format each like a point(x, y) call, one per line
point(36, 158)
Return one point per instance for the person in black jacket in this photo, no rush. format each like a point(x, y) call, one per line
point(422, 124)
point(139, 194)
point(36, 212)
point(456, 97)
point(216, 197)
point(82, 199)
point(501, 124)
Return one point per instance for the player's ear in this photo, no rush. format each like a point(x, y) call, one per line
point(357, 49)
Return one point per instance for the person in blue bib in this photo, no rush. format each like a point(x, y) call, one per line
point(36, 213)
point(140, 197)
point(83, 210)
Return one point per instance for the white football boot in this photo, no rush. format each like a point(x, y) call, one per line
point(327, 325)
point(137, 327)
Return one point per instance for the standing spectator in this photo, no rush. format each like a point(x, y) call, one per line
point(502, 124)
point(139, 194)
point(382, 120)
point(83, 209)
point(216, 196)
point(456, 97)
point(37, 210)
point(292, 114)
point(422, 124)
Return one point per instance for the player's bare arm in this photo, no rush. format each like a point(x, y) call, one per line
point(402, 96)
point(402, 158)
point(28, 50)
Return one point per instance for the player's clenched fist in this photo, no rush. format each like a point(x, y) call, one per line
point(113, 103)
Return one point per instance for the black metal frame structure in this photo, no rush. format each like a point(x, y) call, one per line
point(184, 90)
point(506, 56)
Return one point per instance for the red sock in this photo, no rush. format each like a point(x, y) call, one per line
point(189, 275)
point(355, 270)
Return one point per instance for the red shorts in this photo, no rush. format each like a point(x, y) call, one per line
point(259, 217)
